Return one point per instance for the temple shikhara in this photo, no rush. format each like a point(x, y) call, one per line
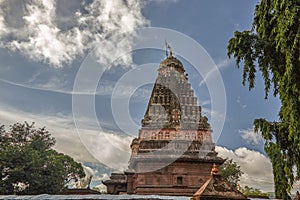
point(174, 152)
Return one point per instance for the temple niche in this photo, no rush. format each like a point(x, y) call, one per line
point(174, 152)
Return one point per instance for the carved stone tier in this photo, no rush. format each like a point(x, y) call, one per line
point(172, 134)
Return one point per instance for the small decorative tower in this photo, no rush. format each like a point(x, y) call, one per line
point(217, 188)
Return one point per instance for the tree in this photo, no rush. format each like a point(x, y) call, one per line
point(253, 192)
point(273, 48)
point(28, 164)
point(231, 172)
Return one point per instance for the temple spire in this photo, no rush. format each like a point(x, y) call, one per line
point(171, 53)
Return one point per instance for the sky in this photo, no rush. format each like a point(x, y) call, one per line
point(85, 70)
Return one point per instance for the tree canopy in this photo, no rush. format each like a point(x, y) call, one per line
point(29, 165)
point(272, 47)
point(253, 192)
point(231, 172)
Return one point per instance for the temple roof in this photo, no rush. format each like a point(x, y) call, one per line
point(172, 61)
point(216, 188)
point(173, 103)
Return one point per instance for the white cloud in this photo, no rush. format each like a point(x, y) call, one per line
point(89, 171)
point(105, 88)
point(113, 149)
point(57, 85)
point(89, 144)
point(104, 24)
point(2, 22)
point(251, 137)
point(61, 128)
point(101, 187)
point(84, 182)
point(103, 177)
point(257, 168)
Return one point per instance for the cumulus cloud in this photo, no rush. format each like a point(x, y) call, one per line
point(61, 128)
point(251, 137)
point(102, 25)
point(89, 171)
point(113, 149)
point(101, 187)
point(257, 168)
point(87, 144)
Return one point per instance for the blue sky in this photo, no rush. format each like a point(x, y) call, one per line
point(44, 46)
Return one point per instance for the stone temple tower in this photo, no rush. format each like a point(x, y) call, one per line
point(174, 152)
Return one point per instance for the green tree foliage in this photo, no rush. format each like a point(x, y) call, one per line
point(28, 164)
point(273, 48)
point(231, 172)
point(253, 192)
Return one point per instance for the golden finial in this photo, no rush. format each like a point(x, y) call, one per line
point(171, 53)
point(214, 170)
